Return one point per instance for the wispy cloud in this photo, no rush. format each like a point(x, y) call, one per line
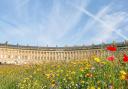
point(91, 22)
point(109, 33)
point(61, 22)
point(106, 22)
point(57, 22)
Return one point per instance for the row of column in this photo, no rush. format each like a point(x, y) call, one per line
point(19, 55)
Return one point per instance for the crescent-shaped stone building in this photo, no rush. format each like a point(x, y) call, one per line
point(18, 54)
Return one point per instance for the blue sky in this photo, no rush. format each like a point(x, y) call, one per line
point(63, 22)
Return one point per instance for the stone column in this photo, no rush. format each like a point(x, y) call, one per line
point(82, 54)
point(73, 54)
point(55, 55)
point(64, 55)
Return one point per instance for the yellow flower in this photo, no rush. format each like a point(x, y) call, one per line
point(61, 71)
point(123, 72)
point(98, 88)
point(53, 83)
point(97, 59)
point(48, 75)
point(73, 72)
point(122, 77)
point(92, 87)
point(82, 81)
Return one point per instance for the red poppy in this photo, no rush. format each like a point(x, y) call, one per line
point(111, 48)
point(125, 58)
point(111, 58)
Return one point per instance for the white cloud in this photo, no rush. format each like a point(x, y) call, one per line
point(61, 21)
point(91, 22)
point(113, 24)
point(106, 22)
point(52, 27)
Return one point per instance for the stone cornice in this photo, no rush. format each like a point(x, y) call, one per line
point(89, 47)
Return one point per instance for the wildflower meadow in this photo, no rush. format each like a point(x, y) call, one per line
point(109, 72)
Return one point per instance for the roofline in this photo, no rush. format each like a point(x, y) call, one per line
point(93, 46)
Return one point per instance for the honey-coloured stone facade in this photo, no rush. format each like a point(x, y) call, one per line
point(17, 54)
